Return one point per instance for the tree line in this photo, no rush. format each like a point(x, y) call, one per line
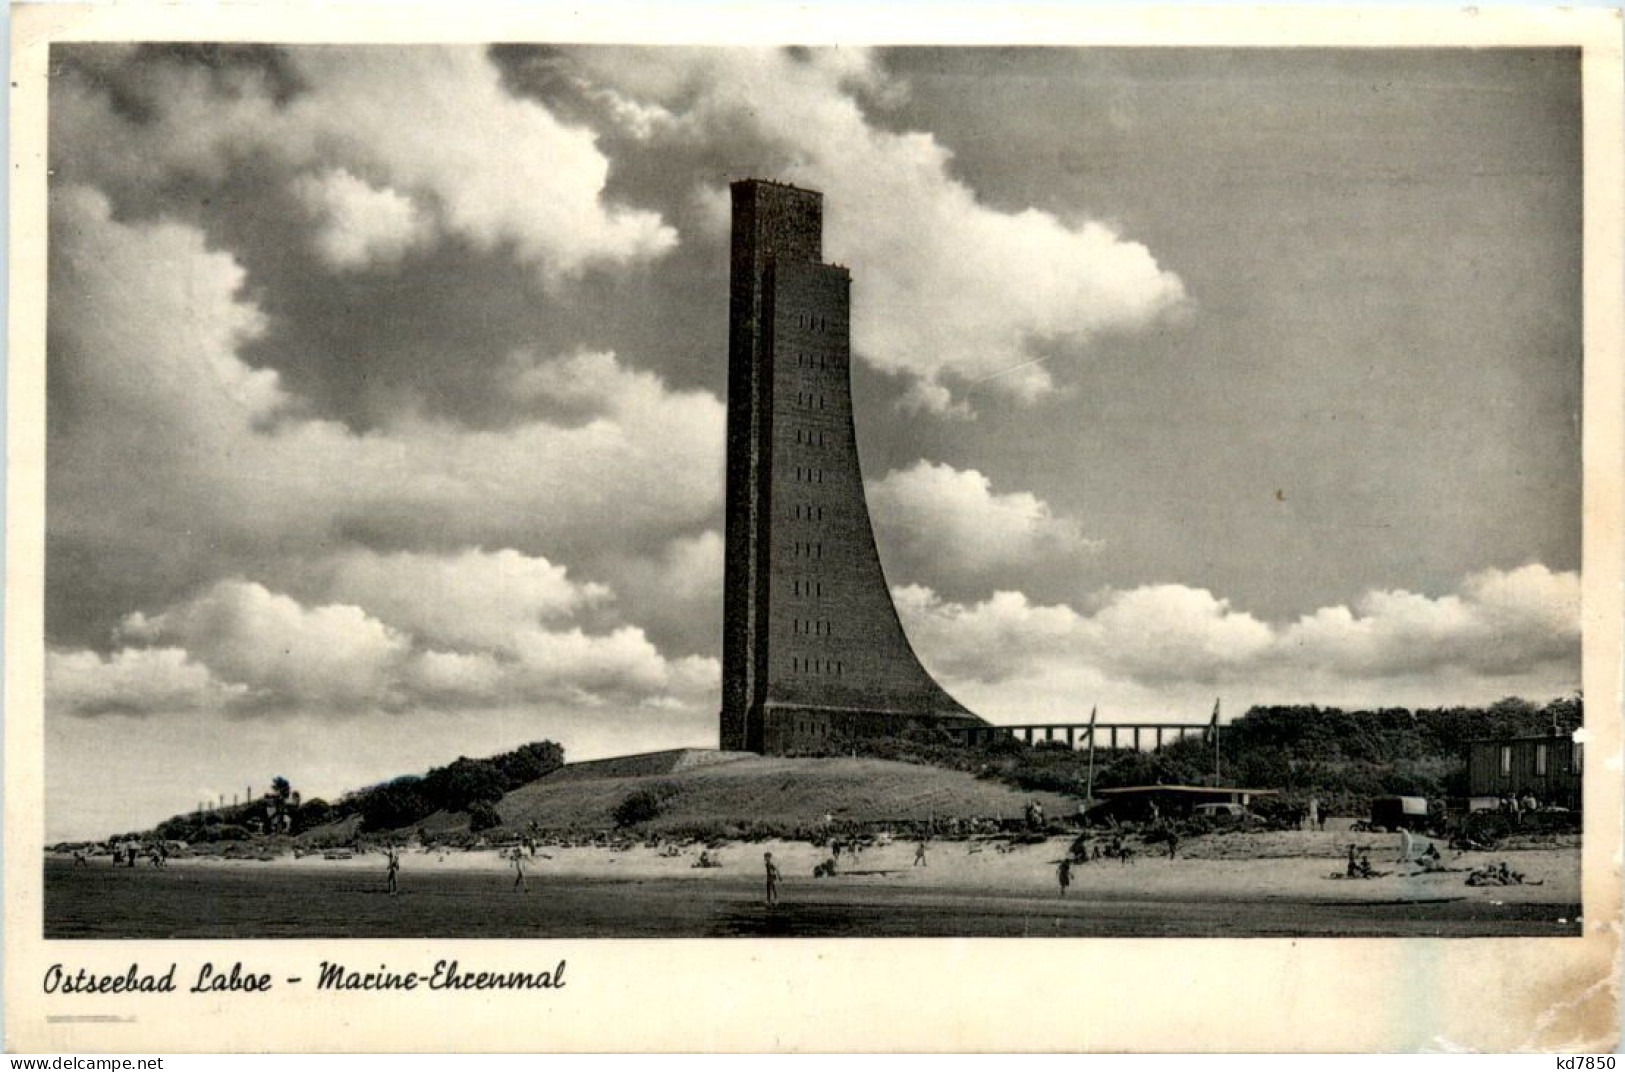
point(1342, 757)
point(464, 785)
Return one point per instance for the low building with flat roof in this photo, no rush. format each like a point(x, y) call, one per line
point(1172, 801)
point(1547, 767)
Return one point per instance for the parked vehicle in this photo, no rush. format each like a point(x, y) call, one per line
point(1400, 813)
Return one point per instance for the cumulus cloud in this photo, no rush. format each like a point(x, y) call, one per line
point(690, 567)
point(947, 290)
point(176, 451)
point(470, 599)
point(361, 225)
point(1500, 632)
point(148, 319)
point(133, 681)
point(1500, 622)
point(335, 654)
point(936, 519)
point(240, 647)
point(517, 178)
point(675, 592)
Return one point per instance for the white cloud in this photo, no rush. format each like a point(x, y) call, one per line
point(714, 208)
point(134, 681)
point(691, 567)
point(514, 178)
point(1500, 633)
point(152, 315)
point(240, 647)
point(1500, 622)
point(947, 290)
point(471, 599)
point(941, 520)
point(1171, 632)
point(361, 225)
point(622, 667)
point(147, 323)
point(195, 121)
point(334, 654)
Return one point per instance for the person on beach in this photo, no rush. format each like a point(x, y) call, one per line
point(772, 870)
point(519, 879)
point(394, 866)
point(919, 854)
point(1063, 874)
point(1407, 843)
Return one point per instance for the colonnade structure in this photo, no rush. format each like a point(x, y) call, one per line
point(1107, 735)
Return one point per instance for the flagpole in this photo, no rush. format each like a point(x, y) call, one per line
point(1089, 788)
point(1215, 741)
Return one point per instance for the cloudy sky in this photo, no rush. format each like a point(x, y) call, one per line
point(385, 389)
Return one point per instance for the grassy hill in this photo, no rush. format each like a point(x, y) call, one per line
point(1343, 758)
point(705, 793)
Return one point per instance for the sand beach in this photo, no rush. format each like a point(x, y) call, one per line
point(1238, 883)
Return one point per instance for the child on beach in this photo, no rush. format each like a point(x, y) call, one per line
point(394, 865)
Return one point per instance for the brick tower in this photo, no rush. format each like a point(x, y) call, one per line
point(812, 646)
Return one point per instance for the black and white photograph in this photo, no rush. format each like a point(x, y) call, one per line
point(560, 491)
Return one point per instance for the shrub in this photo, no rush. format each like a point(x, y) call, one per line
point(311, 814)
point(482, 816)
point(529, 762)
point(644, 805)
point(398, 803)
